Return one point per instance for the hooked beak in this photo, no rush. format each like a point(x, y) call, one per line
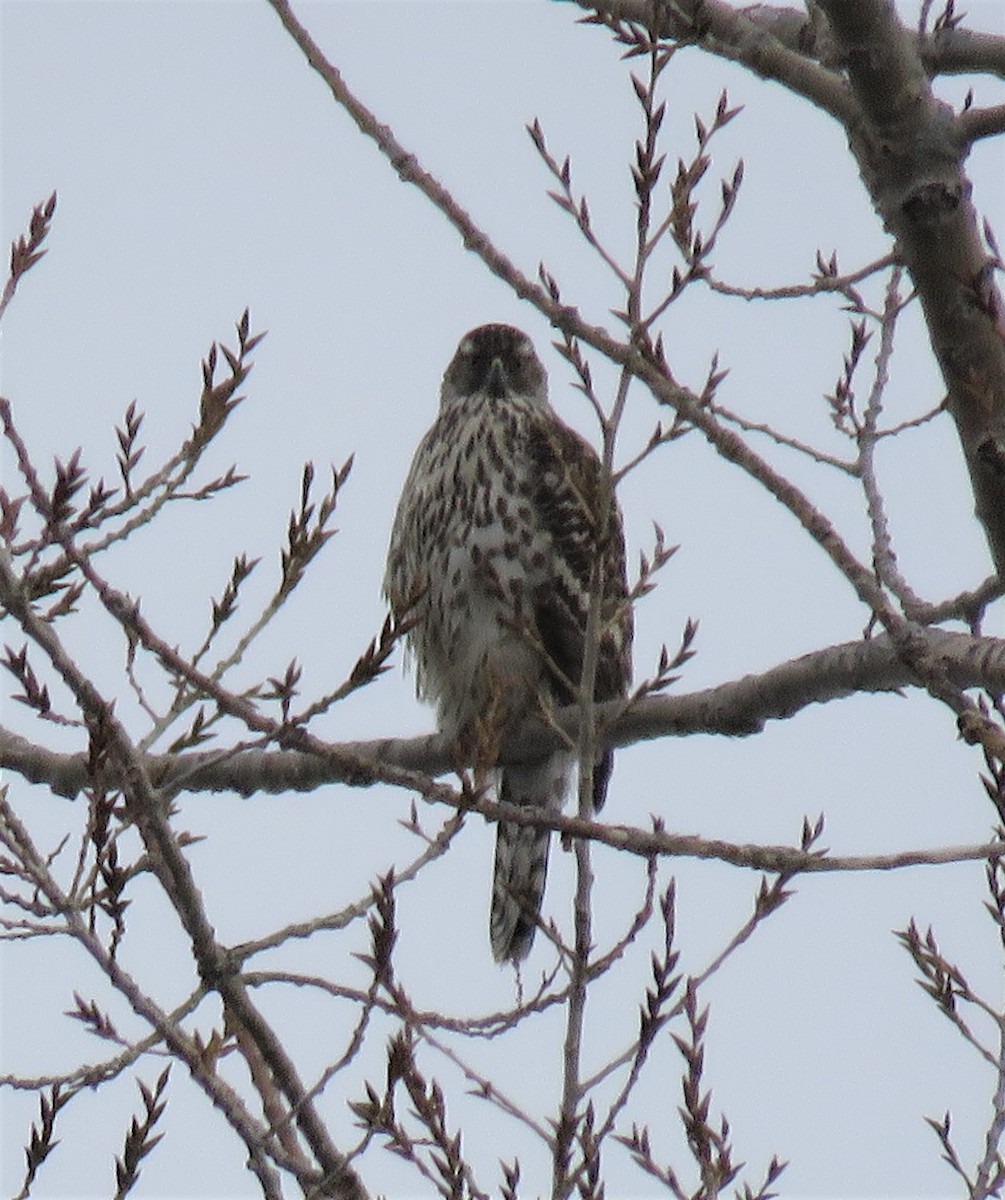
point(495, 383)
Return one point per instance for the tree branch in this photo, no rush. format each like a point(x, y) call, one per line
point(736, 709)
point(955, 51)
point(910, 148)
point(110, 744)
point(778, 44)
point(948, 50)
point(982, 122)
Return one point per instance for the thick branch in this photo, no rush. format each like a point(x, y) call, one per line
point(776, 43)
point(982, 122)
point(964, 51)
point(910, 149)
point(949, 50)
point(735, 709)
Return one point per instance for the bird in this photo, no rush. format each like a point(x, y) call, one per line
point(507, 524)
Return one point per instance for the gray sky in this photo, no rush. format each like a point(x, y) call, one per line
point(201, 167)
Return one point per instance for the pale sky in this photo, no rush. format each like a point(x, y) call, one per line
point(201, 168)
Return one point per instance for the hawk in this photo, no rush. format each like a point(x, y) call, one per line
point(506, 525)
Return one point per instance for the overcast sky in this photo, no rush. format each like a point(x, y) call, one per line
point(201, 168)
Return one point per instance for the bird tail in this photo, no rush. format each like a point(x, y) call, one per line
point(521, 863)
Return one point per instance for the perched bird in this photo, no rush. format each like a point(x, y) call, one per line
point(507, 523)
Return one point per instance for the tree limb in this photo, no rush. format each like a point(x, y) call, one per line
point(736, 709)
point(778, 44)
point(910, 148)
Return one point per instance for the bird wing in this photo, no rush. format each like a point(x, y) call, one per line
point(574, 502)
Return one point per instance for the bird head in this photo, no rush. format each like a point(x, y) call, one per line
point(496, 361)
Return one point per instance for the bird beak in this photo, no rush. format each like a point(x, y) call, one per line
point(495, 384)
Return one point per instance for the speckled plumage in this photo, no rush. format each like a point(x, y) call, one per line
point(500, 523)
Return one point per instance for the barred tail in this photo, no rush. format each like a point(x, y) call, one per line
point(521, 862)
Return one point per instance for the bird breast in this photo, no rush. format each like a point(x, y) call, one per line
point(469, 531)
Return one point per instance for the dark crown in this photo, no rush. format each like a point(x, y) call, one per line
point(499, 357)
